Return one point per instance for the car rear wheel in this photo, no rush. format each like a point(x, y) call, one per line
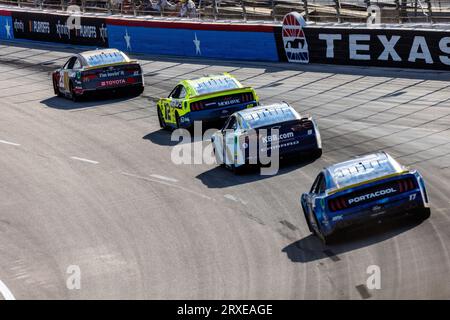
point(56, 88)
point(307, 220)
point(237, 170)
point(317, 153)
point(73, 94)
point(424, 213)
point(177, 120)
point(326, 239)
point(161, 121)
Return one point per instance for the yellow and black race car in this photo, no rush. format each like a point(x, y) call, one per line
point(209, 99)
point(104, 69)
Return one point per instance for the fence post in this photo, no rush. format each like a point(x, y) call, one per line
point(338, 10)
point(215, 10)
point(430, 12)
point(244, 10)
point(305, 7)
point(272, 5)
point(83, 6)
point(397, 8)
point(403, 10)
point(134, 7)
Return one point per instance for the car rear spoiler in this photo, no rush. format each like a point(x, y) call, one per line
point(112, 65)
point(237, 90)
point(333, 191)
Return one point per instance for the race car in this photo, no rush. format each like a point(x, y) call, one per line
point(251, 134)
point(209, 99)
point(366, 189)
point(103, 69)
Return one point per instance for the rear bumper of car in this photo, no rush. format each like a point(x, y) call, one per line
point(81, 91)
point(395, 207)
point(287, 150)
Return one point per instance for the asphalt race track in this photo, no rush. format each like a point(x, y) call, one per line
point(92, 184)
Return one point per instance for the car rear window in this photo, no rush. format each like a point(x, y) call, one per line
point(103, 58)
point(216, 84)
point(364, 171)
point(262, 118)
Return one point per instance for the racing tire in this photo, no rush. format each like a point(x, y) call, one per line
point(307, 220)
point(424, 213)
point(135, 91)
point(329, 239)
point(177, 120)
point(73, 95)
point(237, 170)
point(218, 162)
point(316, 154)
point(161, 121)
point(56, 88)
point(326, 239)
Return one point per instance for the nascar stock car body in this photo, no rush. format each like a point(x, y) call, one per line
point(364, 189)
point(103, 69)
point(209, 98)
point(252, 133)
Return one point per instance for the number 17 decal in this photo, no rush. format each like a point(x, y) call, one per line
point(412, 197)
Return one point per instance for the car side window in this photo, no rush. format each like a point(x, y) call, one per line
point(178, 92)
point(318, 184)
point(232, 124)
point(77, 64)
point(322, 185)
point(69, 65)
point(314, 185)
point(182, 94)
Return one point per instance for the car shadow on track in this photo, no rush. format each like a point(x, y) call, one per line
point(221, 177)
point(94, 100)
point(310, 248)
point(163, 137)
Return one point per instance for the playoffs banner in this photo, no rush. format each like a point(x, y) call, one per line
point(60, 28)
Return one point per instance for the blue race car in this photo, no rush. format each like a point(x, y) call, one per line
point(355, 192)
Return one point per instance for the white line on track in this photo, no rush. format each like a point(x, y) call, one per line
point(85, 160)
point(7, 294)
point(157, 176)
point(167, 184)
point(9, 143)
point(235, 199)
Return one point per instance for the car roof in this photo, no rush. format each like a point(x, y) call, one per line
point(360, 169)
point(211, 84)
point(268, 114)
point(100, 57)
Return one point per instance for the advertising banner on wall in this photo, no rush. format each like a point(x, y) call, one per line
point(60, 28)
point(403, 48)
point(206, 40)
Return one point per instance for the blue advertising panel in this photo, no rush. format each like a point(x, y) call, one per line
point(201, 43)
point(6, 27)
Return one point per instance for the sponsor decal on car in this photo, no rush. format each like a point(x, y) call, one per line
point(228, 102)
point(107, 83)
point(372, 195)
point(111, 74)
point(276, 137)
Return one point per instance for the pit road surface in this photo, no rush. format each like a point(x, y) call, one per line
point(92, 184)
